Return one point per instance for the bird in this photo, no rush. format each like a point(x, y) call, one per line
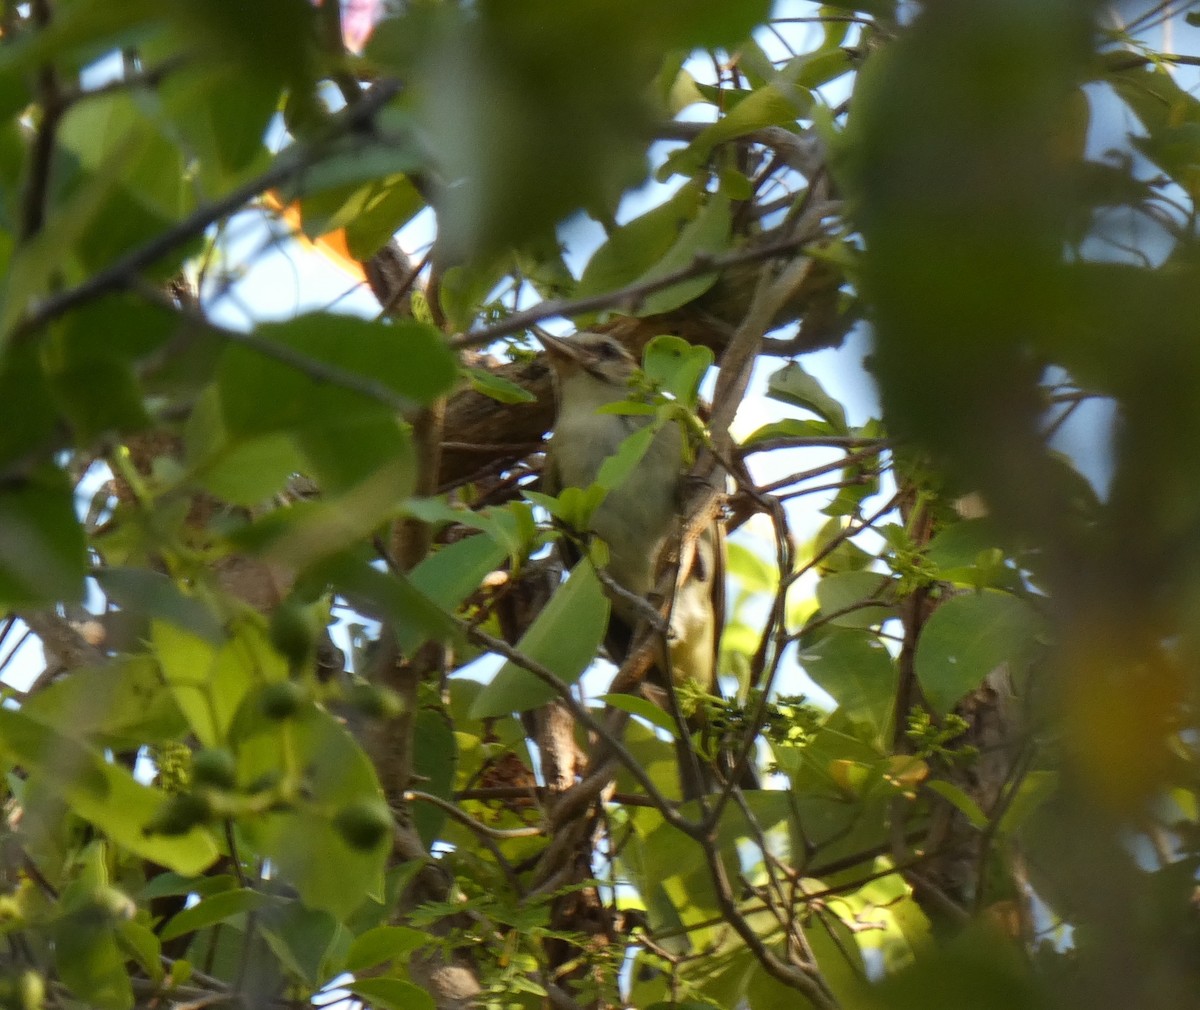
point(638, 518)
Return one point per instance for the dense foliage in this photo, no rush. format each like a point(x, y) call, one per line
point(255, 559)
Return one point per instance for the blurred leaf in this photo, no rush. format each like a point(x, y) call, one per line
point(435, 760)
point(980, 968)
point(122, 704)
point(32, 427)
point(644, 708)
point(960, 800)
point(82, 31)
point(857, 670)
point(146, 948)
point(91, 964)
point(497, 387)
point(415, 617)
point(152, 594)
point(865, 598)
point(964, 187)
point(383, 943)
point(751, 571)
point(89, 357)
point(792, 384)
point(380, 211)
point(564, 637)
point(239, 470)
point(308, 533)
point(968, 637)
point(392, 994)
point(102, 793)
point(223, 114)
point(960, 544)
point(707, 234)
point(303, 843)
point(634, 248)
point(451, 573)
point(300, 937)
point(210, 680)
point(211, 910)
point(260, 394)
point(43, 556)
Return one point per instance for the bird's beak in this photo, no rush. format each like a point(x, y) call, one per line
point(561, 351)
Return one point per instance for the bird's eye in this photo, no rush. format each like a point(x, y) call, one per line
point(610, 351)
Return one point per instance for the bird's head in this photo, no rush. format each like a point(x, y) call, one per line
point(598, 355)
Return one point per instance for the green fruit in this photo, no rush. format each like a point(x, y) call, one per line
point(179, 814)
point(216, 768)
point(375, 702)
point(293, 633)
point(283, 700)
point(365, 823)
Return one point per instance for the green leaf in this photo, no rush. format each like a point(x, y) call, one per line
point(223, 116)
point(392, 994)
point(497, 387)
point(43, 556)
point(435, 761)
point(677, 366)
point(634, 248)
point(776, 104)
point(357, 453)
point(154, 595)
point(960, 544)
point(857, 670)
point(301, 938)
point(705, 235)
point(143, 942)
point(217, 908)
point(791, 427)
point(91, 964)
point(968, 637)
point(104, 794)
point(260, 394)
point(308, 533)
point(33, 428)
point(792, 384)
point(642, 707)
point(93, 380)
point(564, 637)
point(619, 467)
point(65, 763)
point(750, 570)
point(389, 595)
point(867, 592)
point(303, 843)
point(210, 680)
point(383, 943)
point(238, 470)
point(960, 800)
point(380, 210)
point(451, 573)
point(125, 702)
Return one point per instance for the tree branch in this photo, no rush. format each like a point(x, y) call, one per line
point(290, 163)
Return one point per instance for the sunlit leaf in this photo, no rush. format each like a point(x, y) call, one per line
point(564, 637)
point(970, 636)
